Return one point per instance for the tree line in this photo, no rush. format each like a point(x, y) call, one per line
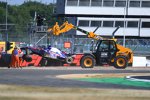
point(21, 15)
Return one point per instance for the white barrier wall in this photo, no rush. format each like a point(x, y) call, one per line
point(140, 61)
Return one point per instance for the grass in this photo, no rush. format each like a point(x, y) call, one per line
point(13, 92)
point(116, 80)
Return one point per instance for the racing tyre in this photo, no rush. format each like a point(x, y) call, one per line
point(120, 62)
point(44, 62)
point(27, 58)
point(87, 62)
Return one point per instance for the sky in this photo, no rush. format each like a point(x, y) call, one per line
point(19, 2)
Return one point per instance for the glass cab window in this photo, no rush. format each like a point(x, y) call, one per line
point(107, 46)
point(112, 46)
point(104, 46)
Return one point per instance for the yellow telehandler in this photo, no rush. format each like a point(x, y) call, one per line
point(107, 51)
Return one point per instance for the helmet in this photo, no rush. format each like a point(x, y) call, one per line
point(49, 47)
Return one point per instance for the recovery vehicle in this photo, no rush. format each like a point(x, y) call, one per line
point(107, 51)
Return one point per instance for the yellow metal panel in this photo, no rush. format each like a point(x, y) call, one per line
point(13, 45)
point(2, 47)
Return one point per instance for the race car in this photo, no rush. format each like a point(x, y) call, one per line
point(50, 55)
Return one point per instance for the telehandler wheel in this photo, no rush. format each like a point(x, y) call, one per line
point(87, 62)
point(120, 62)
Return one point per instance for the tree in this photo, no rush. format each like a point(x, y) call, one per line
point(21, 15)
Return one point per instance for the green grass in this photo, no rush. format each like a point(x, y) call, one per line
point(121, 81)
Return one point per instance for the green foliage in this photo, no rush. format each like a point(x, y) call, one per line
point(22, 15)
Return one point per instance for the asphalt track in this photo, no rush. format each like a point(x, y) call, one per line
point(46, 76)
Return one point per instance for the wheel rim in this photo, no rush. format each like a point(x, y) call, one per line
point(88, 62)
point(120, 62)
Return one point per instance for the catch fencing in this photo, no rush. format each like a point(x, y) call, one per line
point(82, 45)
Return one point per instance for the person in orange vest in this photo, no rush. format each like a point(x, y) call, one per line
point(20, 54)
point(15, 58)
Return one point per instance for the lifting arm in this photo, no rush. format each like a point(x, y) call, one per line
point(65, 27)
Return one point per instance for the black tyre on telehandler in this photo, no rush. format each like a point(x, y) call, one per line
point(120, 62)
point(87, 61)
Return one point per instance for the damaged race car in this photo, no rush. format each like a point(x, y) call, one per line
point(54, 53)
point(51, 56)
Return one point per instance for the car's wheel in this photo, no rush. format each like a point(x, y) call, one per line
point(44, 62)
point(27, 58)
point(120, 62)
point(87, 62)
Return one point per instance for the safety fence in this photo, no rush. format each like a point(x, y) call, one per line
point(80, 45)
